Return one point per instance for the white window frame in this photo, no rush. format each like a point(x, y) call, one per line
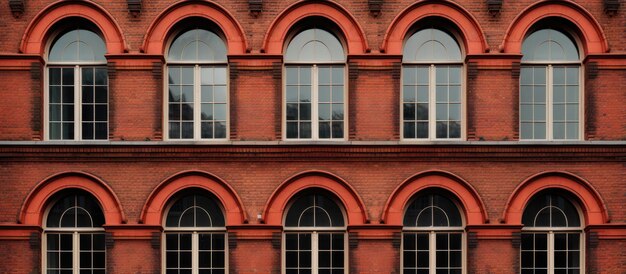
point(549, 98)
point(550, 231)
point(432, 245)
point(195, 249)
point(314, 101)
point(75, 232)
point(197, 92)
point(78, 106)
point(432, 101)
point(315, 245)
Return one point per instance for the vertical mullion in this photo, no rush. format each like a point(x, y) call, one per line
point(77, 104)
point(549, 103)
point(432, 104)
point(196, 103)
point(75, 252)
point(314, 103)
point(194, 252)
point(551, 252)
point(314, 252)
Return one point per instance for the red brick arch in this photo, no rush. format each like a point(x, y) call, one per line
point(155, 41)
point(593, 38)
point(590, 201)
point(35, 204)
point(280, 28)
point(473, 208)
point(473, 37)
point(350, 201)
point(39, 29)
point(154, 209)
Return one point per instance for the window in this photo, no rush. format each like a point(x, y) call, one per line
point(315, 89)
point(315, 237)
point(432, 238)
point(550, 107)
point(551, 237)
point(432, 87)
point(74, 237)
point(77, 90)
point(197, 96)
point(195, 236)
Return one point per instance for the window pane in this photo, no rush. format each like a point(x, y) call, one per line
point(422, 130)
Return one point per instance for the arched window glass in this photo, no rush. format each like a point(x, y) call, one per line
point(198, 45)
point(77, 87)
point(197, 105)
point(195, 236)
point(78, 45)
point(432, 86)
point(315, 45)
point(550, 107)
point(430, 45)
point(432, 238)
point(551, 238)
point(315, 236)
point(315, 88)
point(73, 236)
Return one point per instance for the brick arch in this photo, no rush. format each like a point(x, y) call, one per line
point(592, 36)
point(156, 37)
point(474, 40)
point(38, 31)
point(35, 205)
point(280, 28)
point(473, 208)
point(276, 206)
point(590, 201)
point(154, 208)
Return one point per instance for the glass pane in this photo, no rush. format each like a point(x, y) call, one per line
point(198, 45)
point(77, 45)
point(314, 45)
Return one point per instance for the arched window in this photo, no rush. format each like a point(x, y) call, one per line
point(315, 236)
point(197, 95)
point(315, 90)
point(77, 87)
point(73, 236)
point(550, 107)
point(432, 238)
point(195, 236)
point(432, 86)
point(551, 238)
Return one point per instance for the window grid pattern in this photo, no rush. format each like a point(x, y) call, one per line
point(59, 252)
point(298, 253)
point(181, 102)
point(178, 253)
point(449, 253)
point(211, 253)
point(94, 88)
point(416, 253)
point(214, 102)
point(550, 253)
point(431, 95)
point(299, 99)
point(330, 102)
point(448, 102)
point(61, 103)
point(92, 253)
point(533, 102)
point(330, 253)
point(565, 101)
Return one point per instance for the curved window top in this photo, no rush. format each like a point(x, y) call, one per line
point(75, 210)
point(198, 45)
point(549, 210)
point(549, 45)
point(78, 45)
point(432, 210)
point(195, 211)
point(429, 45)
point(314, 210)
point(315, 45)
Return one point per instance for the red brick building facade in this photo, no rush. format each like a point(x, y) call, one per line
point(312, 136)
